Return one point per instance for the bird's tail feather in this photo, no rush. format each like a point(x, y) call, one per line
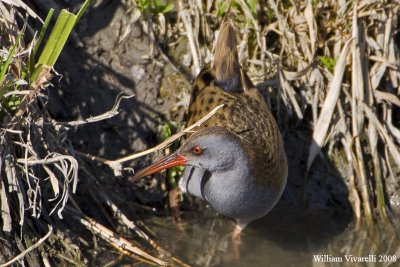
point(226, 62)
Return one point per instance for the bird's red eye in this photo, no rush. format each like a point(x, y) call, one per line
point(197, 150)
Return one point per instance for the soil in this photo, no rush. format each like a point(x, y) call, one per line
point(97, 72)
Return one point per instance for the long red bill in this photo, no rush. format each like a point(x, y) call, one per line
point(173, 160)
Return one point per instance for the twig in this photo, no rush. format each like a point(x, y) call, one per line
point(92, 157)
point(68, 167)
point(131, 225)
point(192, 40)
point(43, 77)
point(21, 255)
point(103, 200)
point(169, 140)
point(109, 114)
point(22, 92)
point(393, 149)
point(115, 240)
point(116, 164)
point(56, 158)
point(24, 6)
point(248, 14)
point(321, 128)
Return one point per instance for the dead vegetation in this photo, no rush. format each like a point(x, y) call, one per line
point(39, 169)
point(331, 65)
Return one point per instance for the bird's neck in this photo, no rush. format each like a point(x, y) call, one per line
point(197, 180)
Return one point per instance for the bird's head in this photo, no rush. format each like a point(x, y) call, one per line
point(214, 149)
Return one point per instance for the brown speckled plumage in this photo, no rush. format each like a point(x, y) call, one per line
point(244, 113)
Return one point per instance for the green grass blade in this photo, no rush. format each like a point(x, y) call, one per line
point(82, 10)
point(4, 68)
point(57, 39)
point(55, 43)
point(42, 32)
point(61, 41)
point(32, 58)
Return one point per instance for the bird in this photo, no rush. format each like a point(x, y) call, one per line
point(236, 160)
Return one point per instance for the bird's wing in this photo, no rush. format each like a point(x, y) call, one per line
point(206, 95)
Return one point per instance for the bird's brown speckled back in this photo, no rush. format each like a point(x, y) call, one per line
point(244, 113)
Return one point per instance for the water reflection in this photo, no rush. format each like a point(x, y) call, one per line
point(285, 237)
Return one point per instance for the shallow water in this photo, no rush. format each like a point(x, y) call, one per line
point(285, 237)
